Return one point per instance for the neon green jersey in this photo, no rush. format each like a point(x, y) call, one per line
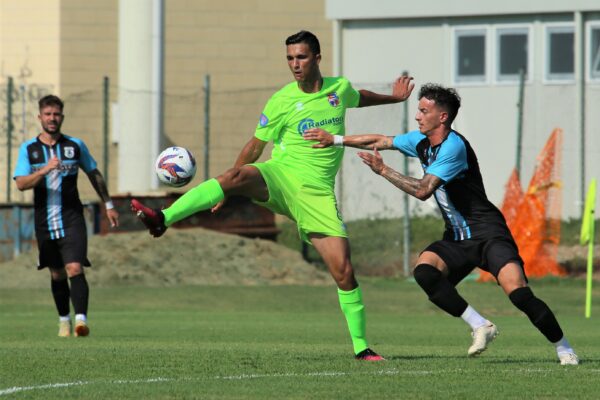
point(290, 111)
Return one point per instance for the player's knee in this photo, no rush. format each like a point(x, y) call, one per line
point(524, 299)
point(428, 277)
point(58, 274)
point(343, 274)
point(74, 269)
point(521, 296)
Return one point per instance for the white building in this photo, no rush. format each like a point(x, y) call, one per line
point(478, 47)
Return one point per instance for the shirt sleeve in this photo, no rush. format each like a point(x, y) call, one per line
point(86, 161)
point(270, 121)
point(450, 161)
point(351, 96)
point(407, 142)
point(23, 167)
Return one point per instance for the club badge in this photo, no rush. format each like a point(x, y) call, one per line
point(333, 99)
point(69, 152)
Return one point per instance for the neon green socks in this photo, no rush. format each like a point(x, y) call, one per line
point(354, 310)
point(202, 197)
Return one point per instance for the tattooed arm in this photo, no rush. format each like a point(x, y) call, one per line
point(422, 189)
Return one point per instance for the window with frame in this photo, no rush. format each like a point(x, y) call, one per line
point(470, 55)
point(594, 55)
point(560, 53)
point(512, 53)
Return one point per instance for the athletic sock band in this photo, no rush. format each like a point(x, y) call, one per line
point(473, 318)
point(202, 197)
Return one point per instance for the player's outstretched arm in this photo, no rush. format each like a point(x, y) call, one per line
point(368, 141)
point(97, 181)
point(422, 189)
point(401, 90)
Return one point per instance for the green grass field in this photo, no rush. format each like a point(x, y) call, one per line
point(289, 343)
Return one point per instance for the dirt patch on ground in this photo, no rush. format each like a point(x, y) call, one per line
point(205, 257)
point(574, 260)
point(190, 257)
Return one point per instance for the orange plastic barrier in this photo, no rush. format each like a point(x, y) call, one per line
point(534, 217)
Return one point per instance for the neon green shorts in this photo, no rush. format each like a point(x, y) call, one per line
point(313, 207)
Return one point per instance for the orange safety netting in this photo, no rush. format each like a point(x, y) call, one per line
point(534, 217)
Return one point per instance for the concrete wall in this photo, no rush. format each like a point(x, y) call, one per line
point(88, 36)
point(67, 46)
point(241, 45)
point(375, 51)
point(30, 53)
point(389, 9)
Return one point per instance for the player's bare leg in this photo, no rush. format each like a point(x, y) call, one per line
point(335, 251)
point(245, 181)
point(431, 274)
point(513, 282)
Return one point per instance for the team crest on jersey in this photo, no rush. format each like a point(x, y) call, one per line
point(333, 99)
point(263, 120)
point(69, 151)
point(35, 155)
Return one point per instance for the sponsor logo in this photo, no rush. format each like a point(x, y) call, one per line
point(64, 168)
point(308, 123)
point(333, 99)
point(69, 151)
point(263, 120)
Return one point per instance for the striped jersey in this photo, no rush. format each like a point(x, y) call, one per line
point(56, 198)
point(467, 212)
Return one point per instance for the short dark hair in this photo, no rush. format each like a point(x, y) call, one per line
point(446, 98)
point(50, 100)
point(305, 37)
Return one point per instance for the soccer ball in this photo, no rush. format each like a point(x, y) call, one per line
point(175, 166)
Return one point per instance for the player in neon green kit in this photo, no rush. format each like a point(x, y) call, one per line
point(298, 181)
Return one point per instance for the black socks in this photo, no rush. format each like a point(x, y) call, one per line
point(79, 293)
point(61, 293)
point(538, 312)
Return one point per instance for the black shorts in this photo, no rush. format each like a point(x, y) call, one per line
point(69, 249)
point(463, 256)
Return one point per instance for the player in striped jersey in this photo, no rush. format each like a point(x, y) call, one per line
point(476, 233)
point(49, 164)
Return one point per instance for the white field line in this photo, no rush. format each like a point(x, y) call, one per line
point(17, 389)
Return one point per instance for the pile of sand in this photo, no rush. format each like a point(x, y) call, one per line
point(188, 256)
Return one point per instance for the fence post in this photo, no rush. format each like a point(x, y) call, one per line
point(105, 121)
point(406, 220)
point(9, 130)
point(17, 232)
point(520, 121)
point(22, 90)
point(206, 126)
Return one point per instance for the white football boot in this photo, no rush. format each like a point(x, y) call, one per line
point(568, 359)
point(482, 337)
